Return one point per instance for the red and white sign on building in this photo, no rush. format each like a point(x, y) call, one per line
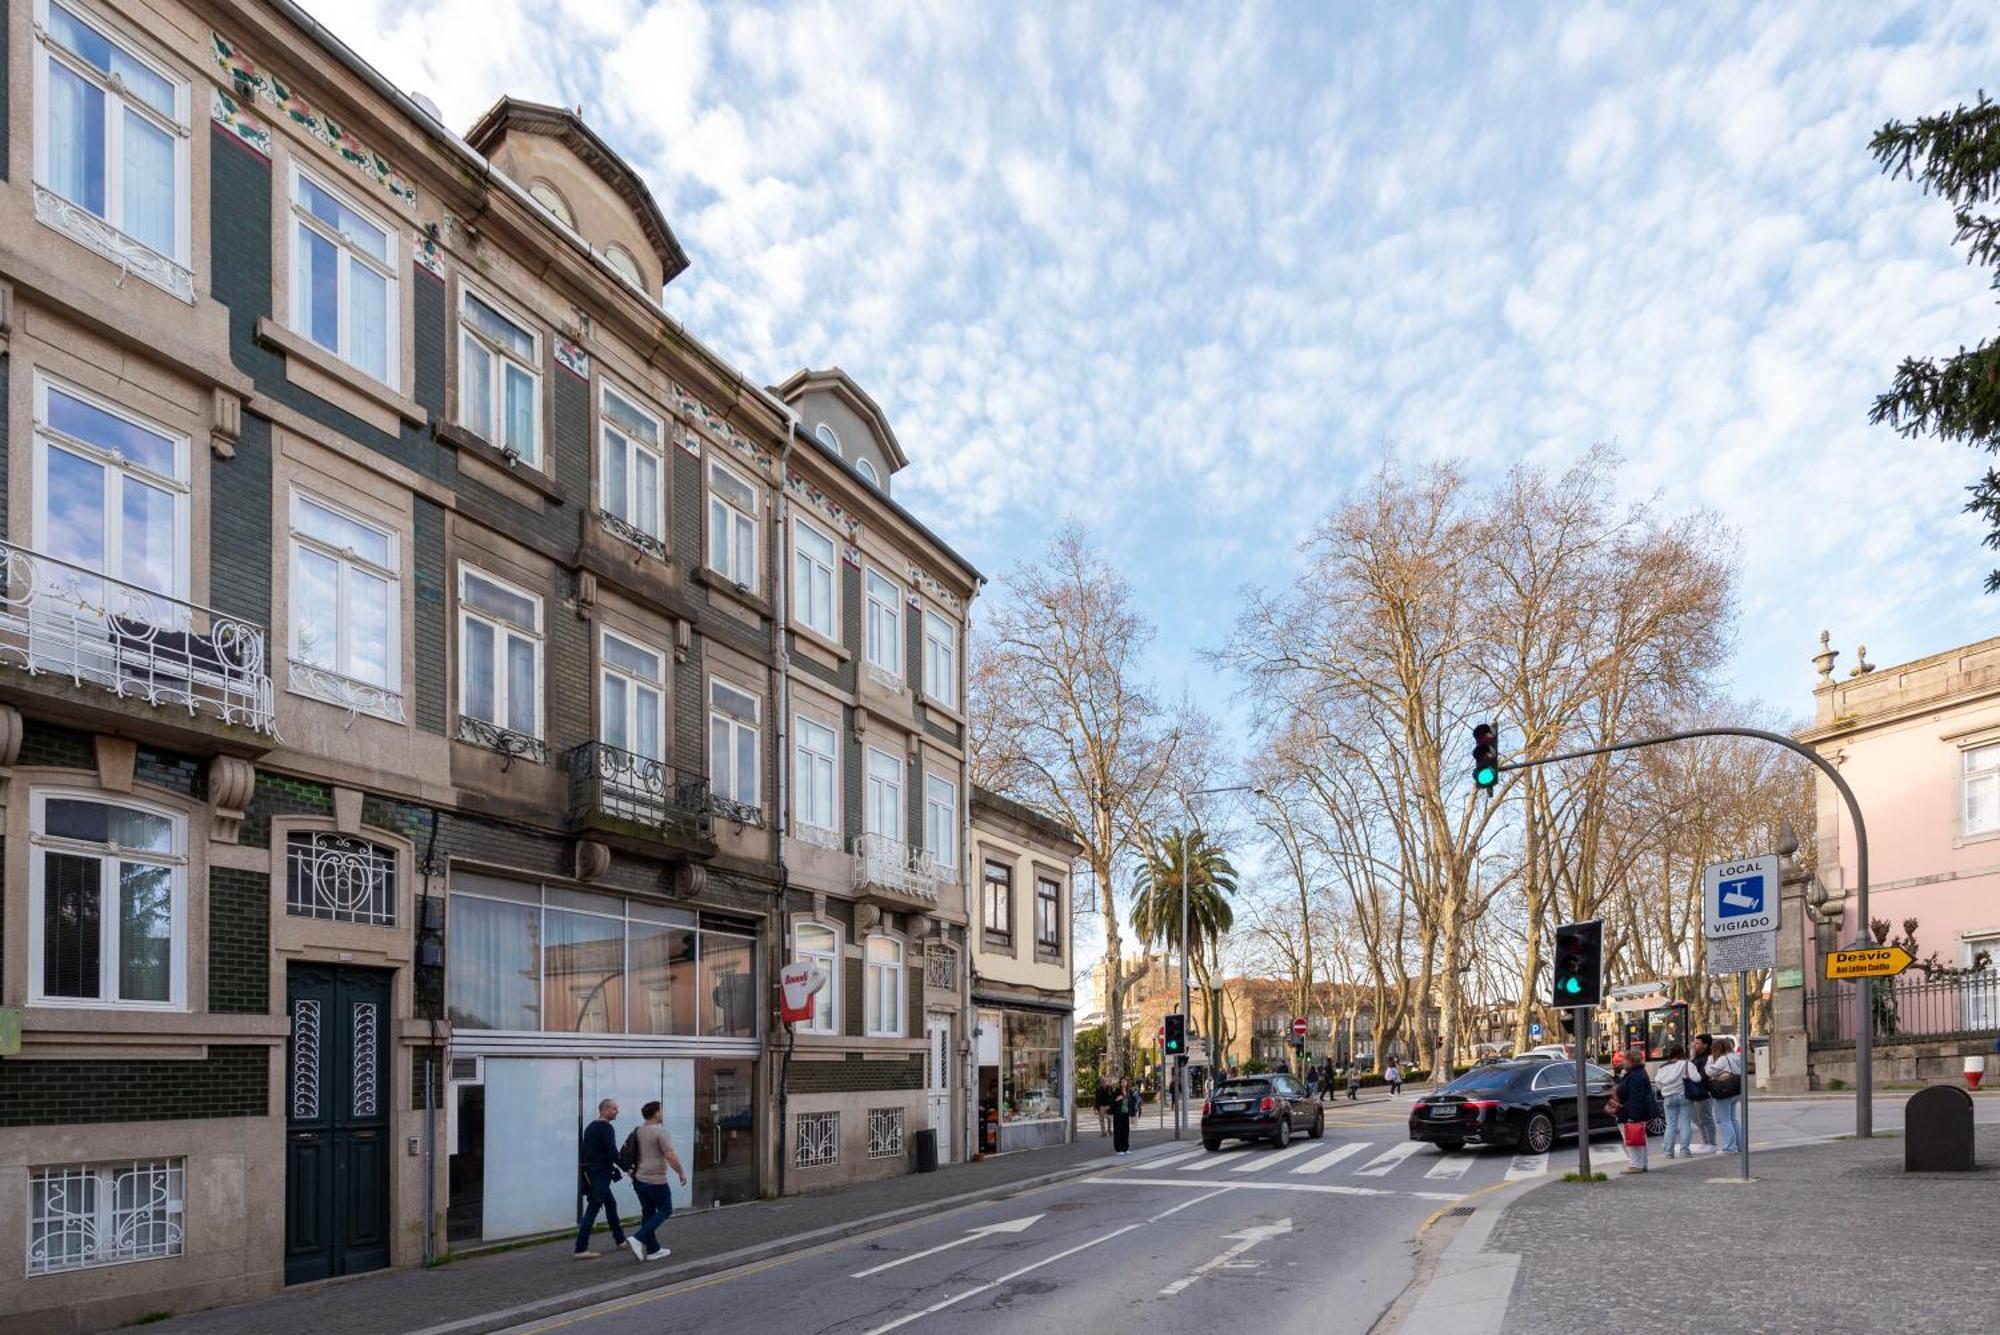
point(1299, 1027)
point(797, 985)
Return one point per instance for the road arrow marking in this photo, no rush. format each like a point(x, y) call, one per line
point(972, 1235)
point(1245, 1240)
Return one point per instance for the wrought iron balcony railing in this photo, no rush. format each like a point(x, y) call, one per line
point(63, 620)
point(882, 863)
point(607, 781)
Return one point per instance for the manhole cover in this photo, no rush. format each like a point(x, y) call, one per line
point(1459, 1211)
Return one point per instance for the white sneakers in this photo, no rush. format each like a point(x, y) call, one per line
point(661, 1254)
point(638, 1248)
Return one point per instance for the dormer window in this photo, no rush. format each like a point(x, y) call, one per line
point(867, 471)
point(824, 434)
point(549, 198)
point(621, 259)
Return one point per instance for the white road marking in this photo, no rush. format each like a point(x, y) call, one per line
point(1330, 1158)
point(972, 1235)
point(1245, 1240)
point(1012, 1275)
point(1208, 1160)
point(1383, 1163)
point(1282, 1184)
point(1527, 1166)
point(1272, 1159)
point(1174, 1158)
point(1451, 1166)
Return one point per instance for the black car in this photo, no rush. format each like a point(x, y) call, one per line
point(1260, 1107)
point(1527, 1102)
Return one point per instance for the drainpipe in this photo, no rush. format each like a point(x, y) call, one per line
point(781, 819)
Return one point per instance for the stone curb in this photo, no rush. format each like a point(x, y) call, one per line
point(667, 1276)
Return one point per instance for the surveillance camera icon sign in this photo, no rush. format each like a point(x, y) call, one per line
point(1740, 897)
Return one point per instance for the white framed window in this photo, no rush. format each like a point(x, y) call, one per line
point(941, 821)
point(814, 774)
point(733, 745)
point(867, 471)
point(732, 525)
point(344, 277)
point(551, 199)
point(346, 608)
point(1981, 767)
point(111, 141)
point(882, 809)
point(621, 260)
point(814, 943)
point(813, 560)
point(632, 708)
point(882, 993)
point(499, 653)
point(107, 903)
point(885, 624)
point(85, 1215)
point(997, 913)
point(111, 494)
point(1048, 913)
point(631, 467)
point(824, 434)
point(499, 378)
point(940, 659)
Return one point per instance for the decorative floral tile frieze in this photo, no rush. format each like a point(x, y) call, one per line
point(822, 502)
point(689, 441)
point(572, 358)
point(252, 83)
point(240, 121)
point(701, 415)
point(851, 554)
point(428, 252)
point(921, 580)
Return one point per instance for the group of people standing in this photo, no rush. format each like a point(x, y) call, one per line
point(1699, 1091)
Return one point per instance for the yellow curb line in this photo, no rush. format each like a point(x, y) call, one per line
point(1442, 1210)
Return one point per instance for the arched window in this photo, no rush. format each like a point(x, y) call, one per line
point(820, 945)
point(621, 259)
point(551, 199)
point(827, 438)
point(882, 994)
point(867, 471)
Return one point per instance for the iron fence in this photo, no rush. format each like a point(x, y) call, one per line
point(1962, 1007)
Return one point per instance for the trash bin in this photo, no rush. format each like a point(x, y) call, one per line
point(926, 1144)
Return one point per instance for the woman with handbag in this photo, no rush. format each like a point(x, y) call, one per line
point(1124, 1107)
point(1677, 1083)
point(1725, 1087)
point(1632, 1105)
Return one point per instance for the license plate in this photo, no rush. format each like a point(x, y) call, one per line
point(1231, 1107)
point(1443, 1110)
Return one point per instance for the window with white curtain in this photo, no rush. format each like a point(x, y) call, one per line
point(882, 992)
point(882, 808)
point(111, 131)
point(631, 470)
point(885, 624)
point(940, 659)
point(813, 579)
point(500, 653)
point(733, 733)
point(941, 821)
point(499, 378)
point(632, 707)
point(1982, 790)
point(815, 944)
point(732, 526)
point(814, 774)
point(346, 608)
point(107, 903)
point(344, 277)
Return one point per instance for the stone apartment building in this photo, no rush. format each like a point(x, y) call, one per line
point(436, 691)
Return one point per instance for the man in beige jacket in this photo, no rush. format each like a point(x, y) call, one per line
point(656, 1198)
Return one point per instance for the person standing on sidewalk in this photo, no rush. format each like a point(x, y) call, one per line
point(649, 1180)
point(1103, 1107)
point(1725, 1086)
point(1700, 1104)
point(1354, 1082)
point(1394, 1075)
point(598, 1151)
point(1635, 1108)
point(1677, 1080)
point(1124, 1105)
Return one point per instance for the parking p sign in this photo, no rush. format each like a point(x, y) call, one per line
point(1740, 913)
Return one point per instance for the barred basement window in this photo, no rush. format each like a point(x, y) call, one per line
point(885, 1132)
point(818, 1140)
point(83, 1215)
point(341, 879)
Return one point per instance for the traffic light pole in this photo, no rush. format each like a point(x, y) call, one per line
point(1581, 1033)
point(1864, 1029)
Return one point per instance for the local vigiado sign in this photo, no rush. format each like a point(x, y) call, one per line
point(1740, 913)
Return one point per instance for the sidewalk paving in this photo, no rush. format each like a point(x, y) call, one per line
point(492, 1291)
point(1833, 1237)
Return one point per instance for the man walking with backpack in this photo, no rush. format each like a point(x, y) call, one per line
point(647, 1155)
point(597, 1152)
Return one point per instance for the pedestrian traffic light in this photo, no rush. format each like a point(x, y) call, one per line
point(1176, 1044)
point(1579, 964)
point(1485, 755)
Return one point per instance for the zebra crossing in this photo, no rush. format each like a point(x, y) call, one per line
point(1384, 1167)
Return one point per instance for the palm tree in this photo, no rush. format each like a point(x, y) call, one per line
point(1187, 858)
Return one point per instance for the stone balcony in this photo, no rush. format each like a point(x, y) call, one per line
point(893, 875)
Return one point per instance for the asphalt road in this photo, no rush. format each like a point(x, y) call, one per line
point(1313, 1238)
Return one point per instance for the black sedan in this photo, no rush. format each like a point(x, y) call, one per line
point(1528, 1103)
point(1260, 1107)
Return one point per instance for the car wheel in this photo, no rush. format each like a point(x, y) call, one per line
point(1656, 1125)
point(1211, 1143)
point(1538, 1134)
point(1284, 1136)
point(1319, 1125)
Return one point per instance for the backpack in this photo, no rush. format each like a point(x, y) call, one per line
point(628, 1153)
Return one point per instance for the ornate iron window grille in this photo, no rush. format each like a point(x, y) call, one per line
point(818, 1143)
point(885, 1132)
point(816, 836)
point(366, 1058)
point(609, 781)
point(743, 813)
point(340, 879)
point(625, 530)
point(305, 1060)
point(81, 1216)
point(941, 968)
point(67, 621)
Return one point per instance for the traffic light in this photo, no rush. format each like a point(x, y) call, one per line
point(1176, 1044)
point(1485, 755)
point(1579, 964)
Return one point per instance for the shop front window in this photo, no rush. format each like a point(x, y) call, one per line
point(1032, 1068)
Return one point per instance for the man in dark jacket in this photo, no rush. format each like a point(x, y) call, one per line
point(1635, 1108)
point(1699, 1102)
point(597, 1153)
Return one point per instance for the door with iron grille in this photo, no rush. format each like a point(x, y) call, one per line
point(336, 1122)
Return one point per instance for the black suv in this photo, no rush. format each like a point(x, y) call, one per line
point(1260, 1107)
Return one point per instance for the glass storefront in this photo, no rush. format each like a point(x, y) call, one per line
point(1023, 1056)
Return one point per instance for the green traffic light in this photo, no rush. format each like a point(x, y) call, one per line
point(1572, 986)
point(1486, 776)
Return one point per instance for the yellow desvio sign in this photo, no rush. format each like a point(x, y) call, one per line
point(1868, 962)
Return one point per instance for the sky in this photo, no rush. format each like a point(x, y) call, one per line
point(1183, 273)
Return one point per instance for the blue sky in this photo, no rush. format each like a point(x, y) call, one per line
point(1183, 272)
